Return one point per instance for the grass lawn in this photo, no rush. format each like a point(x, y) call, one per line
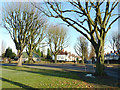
point(24, 77)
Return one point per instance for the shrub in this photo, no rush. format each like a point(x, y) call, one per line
point(9, 53)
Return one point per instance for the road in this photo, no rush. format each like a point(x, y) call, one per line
point(113, 71)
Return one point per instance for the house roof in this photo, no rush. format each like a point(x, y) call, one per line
point(62, 52)
point(111, 53)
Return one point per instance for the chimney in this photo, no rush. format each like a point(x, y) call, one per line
point(110, 51)
point(114, 51)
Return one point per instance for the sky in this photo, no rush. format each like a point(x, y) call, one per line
point(73, 34)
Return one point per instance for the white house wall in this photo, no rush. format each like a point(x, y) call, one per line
point(64, 58)
point(61, 57)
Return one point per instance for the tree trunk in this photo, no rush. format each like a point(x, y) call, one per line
point(30, 57)
point(77, 62)
point(100, 60)
point(82, 59)
point(55, 58)
point(19, 55)
point(19, 61)
point(30, 60)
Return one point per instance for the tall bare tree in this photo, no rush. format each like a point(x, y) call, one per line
point(18, 20)
point(92, 19)
point(81, 48)
point(115, 42)
point(92, 52)
point(57, 39)
point(37, 33)
point(3, 46)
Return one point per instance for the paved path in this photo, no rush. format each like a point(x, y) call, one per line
point(88, 68)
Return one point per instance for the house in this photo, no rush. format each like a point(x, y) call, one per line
point(66, 56)
point(112, 57)
point(35, 57)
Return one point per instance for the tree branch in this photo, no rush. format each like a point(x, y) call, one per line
point(112, 23)
point(106, 12)
point(113, 6)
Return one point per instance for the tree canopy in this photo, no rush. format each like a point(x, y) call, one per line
point(57, 39)
point(9, 53)
point(81, 48)
point(22, 22)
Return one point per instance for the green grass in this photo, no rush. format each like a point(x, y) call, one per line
point(23, 77)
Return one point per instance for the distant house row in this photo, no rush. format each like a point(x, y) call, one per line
point(62, 56)
point(112, 55)
point(66, 56)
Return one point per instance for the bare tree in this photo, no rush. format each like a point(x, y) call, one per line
point(3, 46)
point(92, 19)
point(37, 33)
point(18, 21)
point(115, 42)
point(118, 43)
point(81, 48)
point(57, 39)
point(92, 52)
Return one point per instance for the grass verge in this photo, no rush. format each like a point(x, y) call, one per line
point(24, 77)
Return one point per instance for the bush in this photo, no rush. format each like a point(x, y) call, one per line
point(13, 55)
point(9, 53)
point(48, 54)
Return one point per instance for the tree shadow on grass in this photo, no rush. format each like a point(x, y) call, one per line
point(106, 80)
point(18, 84)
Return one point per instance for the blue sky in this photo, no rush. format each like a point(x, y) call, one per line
point(73, 34)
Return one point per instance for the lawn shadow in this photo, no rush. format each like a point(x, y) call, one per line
point(18, 84)
point(106, 80)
